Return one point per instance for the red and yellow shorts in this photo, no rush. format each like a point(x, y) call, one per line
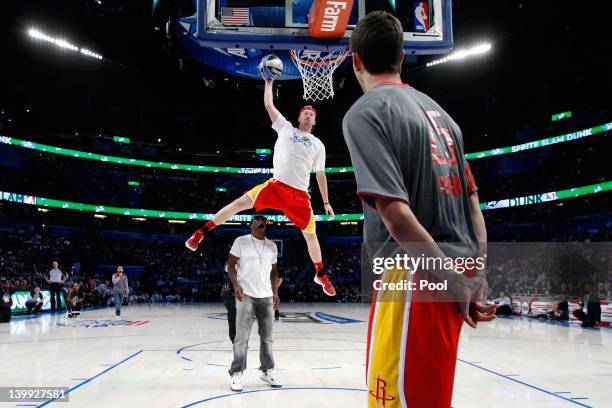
point(294, 203)
point(411, 350)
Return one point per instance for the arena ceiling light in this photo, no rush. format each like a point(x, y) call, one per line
point(92, 54)
point(62, 43)
point(463, 54)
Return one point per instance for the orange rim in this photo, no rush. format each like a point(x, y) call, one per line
point(336, 61)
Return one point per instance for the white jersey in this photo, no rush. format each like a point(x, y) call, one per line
point(296, 154)
point(255, 260)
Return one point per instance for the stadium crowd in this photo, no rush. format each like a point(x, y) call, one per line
point(163, 271)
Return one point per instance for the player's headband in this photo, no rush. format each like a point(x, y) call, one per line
point(310, 108)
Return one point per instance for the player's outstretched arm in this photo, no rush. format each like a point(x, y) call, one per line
point(269, 100)
point(322, 182)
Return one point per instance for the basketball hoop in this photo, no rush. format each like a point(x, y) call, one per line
point(317, 70)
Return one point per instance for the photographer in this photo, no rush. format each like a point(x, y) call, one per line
point(505, 305)
point(590, 309)
point(35, 303)
point(5, 305)
point(74, 300)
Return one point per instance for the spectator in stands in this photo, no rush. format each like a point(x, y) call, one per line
point(56, 280)
point(560, 310)
point(74, 300)
point(102, 292)
point(35, 303)
point(505, 305)
point(601, 291)
point(120, 290)
point(589, 312)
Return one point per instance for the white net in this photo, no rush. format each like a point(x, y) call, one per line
point(317, 70)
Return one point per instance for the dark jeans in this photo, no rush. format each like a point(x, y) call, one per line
point(592, 316)
point(56, 296)
point(76, 307)
point(118, 297)
point(230, 305)
point(36, 306)
point(5, 315)
point(246, 311)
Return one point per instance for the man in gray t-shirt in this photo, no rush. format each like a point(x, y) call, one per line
point(417, 160)
point(416, 186)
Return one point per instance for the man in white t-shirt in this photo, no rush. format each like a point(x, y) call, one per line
point(252, 267)
point(296, 153)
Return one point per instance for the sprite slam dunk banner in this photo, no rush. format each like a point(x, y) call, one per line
point(135, 212)
point(21, 297)
point(257, 170)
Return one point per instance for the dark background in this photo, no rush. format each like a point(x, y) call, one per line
point(547, 57)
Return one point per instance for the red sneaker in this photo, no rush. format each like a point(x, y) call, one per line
point(328, 288)
point(194, 241)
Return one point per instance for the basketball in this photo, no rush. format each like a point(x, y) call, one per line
point(271, 66)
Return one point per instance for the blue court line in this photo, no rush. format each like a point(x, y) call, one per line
point(526, 384)
point(580, 398)
point(180, 350)
point(185, 358)
point(562, 392)
point(273, 390)
point(217, 365)
point(79, 385)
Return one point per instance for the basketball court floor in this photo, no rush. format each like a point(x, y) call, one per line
point(178, 356)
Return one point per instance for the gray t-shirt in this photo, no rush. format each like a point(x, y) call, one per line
point(120, 284)
point(404, 146)
point(55, 275)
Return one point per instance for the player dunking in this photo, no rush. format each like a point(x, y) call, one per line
point(417, 187)
point(296, 153)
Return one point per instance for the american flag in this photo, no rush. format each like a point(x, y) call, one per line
point(235, 15)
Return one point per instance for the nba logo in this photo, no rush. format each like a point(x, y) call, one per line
point(421, 17)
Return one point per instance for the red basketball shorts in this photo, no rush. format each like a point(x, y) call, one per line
point(294, 203)
point(411, 351)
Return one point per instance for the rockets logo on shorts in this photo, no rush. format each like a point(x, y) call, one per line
point(380, 392)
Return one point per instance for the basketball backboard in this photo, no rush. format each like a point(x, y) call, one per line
point(283, 24)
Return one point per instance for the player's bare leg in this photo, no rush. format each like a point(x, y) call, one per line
point(314, 250)
point(240, 204)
